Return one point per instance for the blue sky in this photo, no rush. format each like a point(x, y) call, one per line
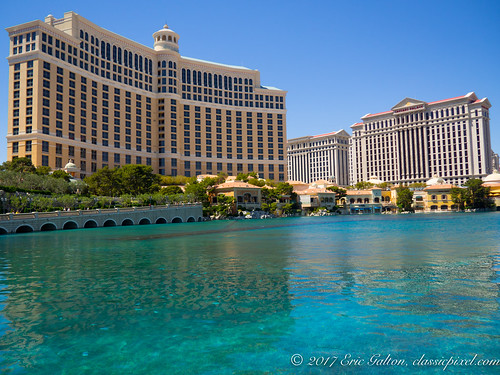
point(338, 60)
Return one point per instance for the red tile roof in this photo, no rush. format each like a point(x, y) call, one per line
point(438, 101)
point(322, 135)
point(376, 114)
point(440, 187)
point(445, 100)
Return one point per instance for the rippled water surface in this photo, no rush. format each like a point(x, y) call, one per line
point(243, 296)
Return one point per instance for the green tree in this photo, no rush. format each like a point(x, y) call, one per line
point(104, 182)
point(43, 170)
point(362, 185)
point(224, 204)
point(339, 192)
point(478, 195)
point(78, 187)
point(268, 195)
point(19, 165)
point(61, 174)
point(137, 179)
point(288, 208)
point(459, 196)
point(173, 180)
point(404, 198)
point(284, 188)
point(242, 177)
point(384, 185)
point(200, 191)
point(256, 182)
point(67, 201)
point(246, 176)
point(42, 204)
point(171, 190)
point(19, 203)
point(417, 185)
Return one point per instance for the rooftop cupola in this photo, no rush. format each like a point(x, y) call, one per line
point(166, 39)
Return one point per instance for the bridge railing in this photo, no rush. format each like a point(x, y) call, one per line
point(99, 211)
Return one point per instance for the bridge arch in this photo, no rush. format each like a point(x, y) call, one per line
point(144, 221)
point(127, 222)
point(177, 219)
point(109, 223)
point(90, 224)
point(200, 219)
point(70, 225)
point(25, 228)
point(161, 220)
point(48, 227)
point(191, 219)
point(3, 231)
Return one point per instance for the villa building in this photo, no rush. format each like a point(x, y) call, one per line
point(415, 140)
point(438, 198)
point(78, 91)
point(318, 157)
point(492, 181)
point(367, 201)
point(315, 195)
point(245, 195)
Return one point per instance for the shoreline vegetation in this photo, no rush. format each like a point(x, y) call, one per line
point(25, 188)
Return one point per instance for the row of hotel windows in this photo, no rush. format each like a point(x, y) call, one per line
point(127, 58)
point(305, 147)
point(218, 130)
point(117, 158)
point(186, 73)
point(130, 61)
point(83, 113)
point(437, 114)
point(83, 137)
point(28, 41)
point(209, 166)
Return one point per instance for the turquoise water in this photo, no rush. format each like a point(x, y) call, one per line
point(242, 297)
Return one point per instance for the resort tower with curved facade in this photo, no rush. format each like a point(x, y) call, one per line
point(78, 91)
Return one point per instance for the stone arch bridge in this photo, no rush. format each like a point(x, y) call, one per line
point(47, 221)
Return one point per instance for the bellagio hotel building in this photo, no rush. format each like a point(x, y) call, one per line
point(78, 91)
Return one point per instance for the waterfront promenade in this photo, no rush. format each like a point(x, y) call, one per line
point(48, 221)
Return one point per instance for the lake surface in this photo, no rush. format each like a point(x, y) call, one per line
point(242, 297)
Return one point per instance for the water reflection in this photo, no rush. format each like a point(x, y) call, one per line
point(75, 294)
point(246, 295)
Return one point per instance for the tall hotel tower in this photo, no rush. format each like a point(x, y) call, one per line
point(319, 157)
point(416, 140)
point(78, 91)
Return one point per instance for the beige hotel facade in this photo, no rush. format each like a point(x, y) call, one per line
point(78, 91)
point(415, 141)
point(319, 157)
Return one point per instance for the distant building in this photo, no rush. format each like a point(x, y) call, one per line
point(495, 163)
point(492, 181)
point(314, 195)
point(367, 201)
point(324, 156)
point(245, 195)
point(415, 140)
